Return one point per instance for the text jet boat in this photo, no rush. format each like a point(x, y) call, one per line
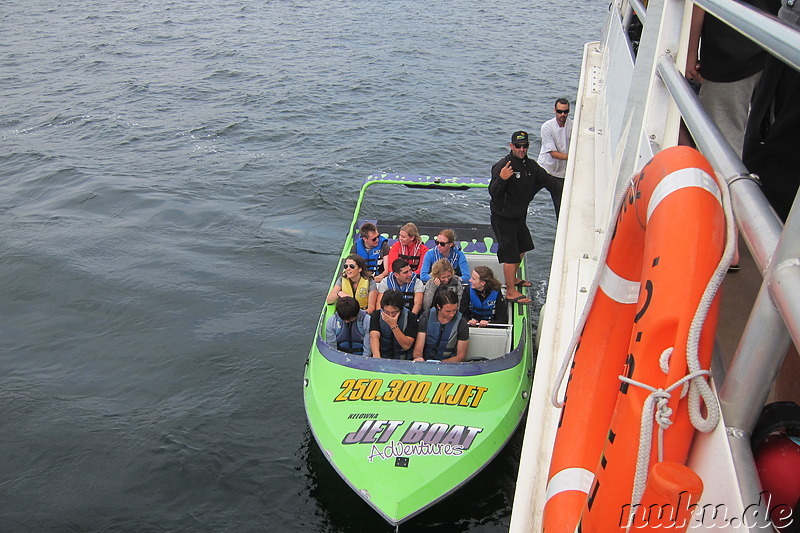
point(406, 434)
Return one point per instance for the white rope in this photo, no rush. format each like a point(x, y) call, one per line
point(576, 336)
point(656, 409)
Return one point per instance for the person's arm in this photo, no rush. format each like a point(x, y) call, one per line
point(394, 253)
point(372, 301)
point(404, 338)
point(419, 294)
point(693, 51)
point(501, 171)
point(461, 353)
point(334, 294)
point(427, 262)
point(420, 344)
point(549, 145)
point(330, 332)
point(465, 308)
point(375, 343)
point(464, 266)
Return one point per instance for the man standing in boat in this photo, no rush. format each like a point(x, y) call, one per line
point(515, 181)
point(555, 142)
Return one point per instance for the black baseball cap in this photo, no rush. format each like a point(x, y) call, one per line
point(520, 137)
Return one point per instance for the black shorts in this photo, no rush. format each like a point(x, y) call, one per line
point(513, 238)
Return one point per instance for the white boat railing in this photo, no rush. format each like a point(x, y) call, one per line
point(775, 317)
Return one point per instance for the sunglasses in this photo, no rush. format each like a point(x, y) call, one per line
point(562, 111)
point(374, 239)
point(520, 145)
point(441, 243)
point(349, 266)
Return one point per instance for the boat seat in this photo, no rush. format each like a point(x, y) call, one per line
point(490, 342)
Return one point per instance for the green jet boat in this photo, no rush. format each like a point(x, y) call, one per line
point(406, 434)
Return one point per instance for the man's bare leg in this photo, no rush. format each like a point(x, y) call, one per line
point(510, 276)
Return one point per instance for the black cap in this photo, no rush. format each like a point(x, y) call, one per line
point(520, 137)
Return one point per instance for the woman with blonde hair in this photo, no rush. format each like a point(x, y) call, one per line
point(484, 302)
point(356, 282)
point(442, 277)
point(409, 247)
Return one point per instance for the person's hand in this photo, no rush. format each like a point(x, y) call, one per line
point(472, 322)
point(342, 294)
point(507, 171)
point(436, 281)
point(419, 359)
point(483, 323)
point(391, 320)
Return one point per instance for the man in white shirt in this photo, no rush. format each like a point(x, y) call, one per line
point(555, 140)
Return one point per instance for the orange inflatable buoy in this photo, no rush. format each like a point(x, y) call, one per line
point(676, 203)
point(669, 232)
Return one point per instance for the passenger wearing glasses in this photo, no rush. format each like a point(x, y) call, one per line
point(355, 282)
point(409, 247)
point(374, 248)
point(392, 328)
point(404, 280)
point(515, 181)
point(445, 248)
point(555, 140)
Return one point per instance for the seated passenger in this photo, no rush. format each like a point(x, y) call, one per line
point(408, 247)
point(441, 278)
point(355, 282)
point(346, 329)
point(392, 328)
point(443, 333)
point(374, 248)
point(445, 249)
point(404, 280)
point(483, 302)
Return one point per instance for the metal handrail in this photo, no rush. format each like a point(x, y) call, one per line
point(773, 35)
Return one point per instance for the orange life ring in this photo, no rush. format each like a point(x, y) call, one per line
point(671, 221)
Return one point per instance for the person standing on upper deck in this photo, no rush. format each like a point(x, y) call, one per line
point(515, 181)
point(555, 141)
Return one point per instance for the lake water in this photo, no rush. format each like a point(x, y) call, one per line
point(176, 178)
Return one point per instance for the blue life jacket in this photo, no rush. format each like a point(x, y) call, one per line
point(390, 348)
point(407, 289)
point(373, 256)
point(350, 337)
point(453, 259)
point(440, 339)
point(482, 309)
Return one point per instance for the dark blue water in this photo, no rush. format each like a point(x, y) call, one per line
point(176, 178)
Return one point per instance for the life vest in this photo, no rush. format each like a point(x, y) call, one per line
point(407, 289)
point(361, 292)
point(453, 259)
point(373, 255)
point(350, 337)
point(482, 309)
point(390, 348)
point(440, 339)
point(411, 255)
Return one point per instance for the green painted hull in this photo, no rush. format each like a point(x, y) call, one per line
point(405, 434)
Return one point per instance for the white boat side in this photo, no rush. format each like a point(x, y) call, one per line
point(629, 107)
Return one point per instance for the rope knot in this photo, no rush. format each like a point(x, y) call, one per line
point(663, 411)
